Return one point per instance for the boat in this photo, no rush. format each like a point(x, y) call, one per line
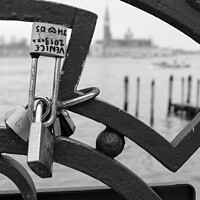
point(174, 65)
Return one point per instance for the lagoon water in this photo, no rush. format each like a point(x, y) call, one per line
point(108, 75)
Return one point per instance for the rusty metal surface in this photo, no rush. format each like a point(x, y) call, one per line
point(179, 13)
point(194, 4)
point(172, 155)
point(25, 10)
point(80, 156)
point(11, 142)
point(86, 159)
point(172, 191)
point(16, 172)
point(35, 10)
point(78, 48)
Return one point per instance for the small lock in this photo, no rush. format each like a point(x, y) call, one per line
point(40, 147)
point(56, 127)
point(66, 123)
point(18, 121)
point(46, 40)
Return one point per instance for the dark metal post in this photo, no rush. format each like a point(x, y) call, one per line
point(152, 102)
point(137, 96)
point(198, 86)
point(182, 96)
point(126, 82)
point(189, 88)
point(170, 94)
point(182, 90)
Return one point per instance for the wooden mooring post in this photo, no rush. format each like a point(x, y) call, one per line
point(152, 102)
point(189, 89)
point(137, 97)
point(170, 95)
point(197, 100)
point(126, 86)
point(182, 90)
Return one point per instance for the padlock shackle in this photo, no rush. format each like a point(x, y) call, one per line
point(32, 88)
point(85, 95)
point(54, 92)
point(39, 111)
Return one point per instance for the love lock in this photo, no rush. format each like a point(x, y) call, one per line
point(16, 172)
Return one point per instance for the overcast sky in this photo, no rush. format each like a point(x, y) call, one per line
point(122, 17)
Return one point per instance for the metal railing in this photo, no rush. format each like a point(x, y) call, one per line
point(99, 163)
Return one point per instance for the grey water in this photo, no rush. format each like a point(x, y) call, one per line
point(108, 74)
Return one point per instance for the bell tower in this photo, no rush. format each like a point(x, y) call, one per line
point(107, 33)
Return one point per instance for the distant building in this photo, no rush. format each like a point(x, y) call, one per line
point(127, 47)
point(14, 49)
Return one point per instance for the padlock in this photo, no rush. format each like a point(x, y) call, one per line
point(18, 121)
point(66, 123)
point(40, 147)
point(46, 40)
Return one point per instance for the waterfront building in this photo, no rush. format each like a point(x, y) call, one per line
point(14, 48)
point(126, 47)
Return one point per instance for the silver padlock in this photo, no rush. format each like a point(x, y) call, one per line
point(66, 123)
point(40, 147)
point(46, 40)
point(18, 121)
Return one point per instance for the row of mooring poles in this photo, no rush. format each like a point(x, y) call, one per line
point(126, 87)
point(184, 101)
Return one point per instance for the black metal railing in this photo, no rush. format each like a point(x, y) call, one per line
point(99, 163)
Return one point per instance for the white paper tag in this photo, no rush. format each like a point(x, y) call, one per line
point(48, 39)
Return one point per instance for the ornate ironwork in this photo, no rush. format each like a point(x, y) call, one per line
point(80, 156)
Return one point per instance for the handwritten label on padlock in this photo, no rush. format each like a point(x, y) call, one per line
point(48, 39)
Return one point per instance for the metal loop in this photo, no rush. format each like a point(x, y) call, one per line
point(46, 102)
point(32, 86)
point(88, 93)
point(54, 91)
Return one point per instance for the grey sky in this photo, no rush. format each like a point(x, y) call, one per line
point(142, 24)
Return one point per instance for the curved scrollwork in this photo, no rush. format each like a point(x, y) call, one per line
point(15, 172)
point(172, 155)
point(86, 159)
point(81, 157)
point(176, 13)
point(75, 154)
